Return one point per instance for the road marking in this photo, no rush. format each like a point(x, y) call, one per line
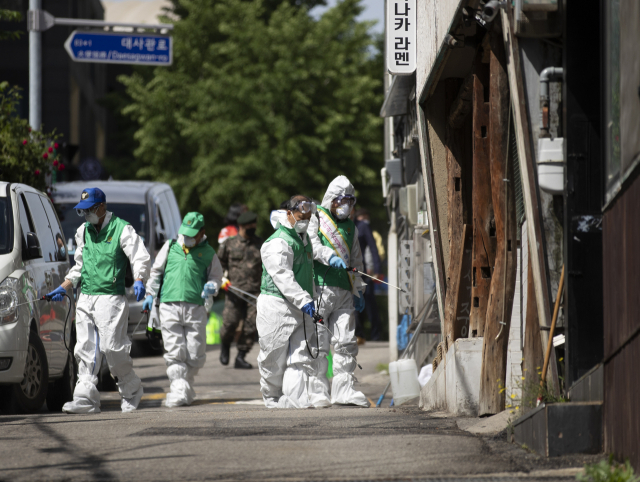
point(373, 405)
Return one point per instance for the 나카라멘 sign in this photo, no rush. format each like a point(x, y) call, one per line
point(401, 37)
point(120, 48)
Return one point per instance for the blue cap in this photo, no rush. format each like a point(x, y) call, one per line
point(90, 197)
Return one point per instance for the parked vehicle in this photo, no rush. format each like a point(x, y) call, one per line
point(34, 363)
point(150, 207)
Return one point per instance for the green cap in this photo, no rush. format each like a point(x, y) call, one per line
point(191, 224)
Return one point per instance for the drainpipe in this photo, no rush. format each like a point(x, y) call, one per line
point(392, 257)
point(545, 76)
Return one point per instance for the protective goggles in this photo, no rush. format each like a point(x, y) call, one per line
point(305, 207)
point(349, 199)
point(84, 212)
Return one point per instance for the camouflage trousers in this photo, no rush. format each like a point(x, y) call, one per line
point(235, 311)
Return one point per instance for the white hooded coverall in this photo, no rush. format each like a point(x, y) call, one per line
point(289, 376)
point(184, 330)
point(336, 306)
point(101, 328)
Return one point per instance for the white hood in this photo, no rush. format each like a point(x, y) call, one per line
point(279, 217)
point(338, 187)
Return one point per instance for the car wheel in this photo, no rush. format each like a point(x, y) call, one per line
point(61, 391)
point(29, 395)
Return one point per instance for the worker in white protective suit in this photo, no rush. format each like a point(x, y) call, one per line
point(334, 237)
point(105, 244)
point(186, 271)
point(292, 370)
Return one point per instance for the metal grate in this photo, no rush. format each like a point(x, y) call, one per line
point(517, 178)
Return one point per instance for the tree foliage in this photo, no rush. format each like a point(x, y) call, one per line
point(26, 156)
point(10, 16)
point(261, 104)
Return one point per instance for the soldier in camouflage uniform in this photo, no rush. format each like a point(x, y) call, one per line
point(240, 256)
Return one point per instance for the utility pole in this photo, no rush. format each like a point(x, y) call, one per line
point(35, 71)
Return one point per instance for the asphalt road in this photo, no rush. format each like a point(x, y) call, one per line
point(228, 435)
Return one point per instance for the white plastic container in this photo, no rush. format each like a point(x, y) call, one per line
point(404, 380)
point(551, 165)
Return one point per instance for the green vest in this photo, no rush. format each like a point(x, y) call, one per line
point(186, 274)
point(104, 263)
point(302, 263)
point(325, 275)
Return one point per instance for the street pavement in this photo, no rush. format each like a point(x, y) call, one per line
point(227, 434)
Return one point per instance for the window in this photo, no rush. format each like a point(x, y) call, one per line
point(61, 250)
point(134, 214)
point(6, 226)
point(26, 224)
point(43, 228)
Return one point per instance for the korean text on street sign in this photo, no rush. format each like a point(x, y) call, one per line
point(120, 48)
point(401, 37)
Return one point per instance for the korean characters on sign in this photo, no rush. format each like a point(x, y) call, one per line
point(401, 37)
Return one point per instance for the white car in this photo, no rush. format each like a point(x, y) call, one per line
point(35, 364)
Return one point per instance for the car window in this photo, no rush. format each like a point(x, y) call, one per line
point(134, 214)
point(6, 226)
point(26, 224)
point(43, 229)
point(61, 248)
point(170, 224)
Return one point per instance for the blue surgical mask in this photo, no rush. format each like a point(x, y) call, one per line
point(63, 251)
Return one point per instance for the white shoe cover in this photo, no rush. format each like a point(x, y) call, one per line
point(181, 392)
point(343, 393)
point(79, 406)
point(86, 398)
point(300, 390)
point(131, 404)
point(270, 402)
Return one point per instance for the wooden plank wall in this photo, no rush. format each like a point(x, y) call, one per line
point(503, 277)
point(483, 225)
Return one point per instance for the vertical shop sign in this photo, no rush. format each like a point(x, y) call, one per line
point(401, 37)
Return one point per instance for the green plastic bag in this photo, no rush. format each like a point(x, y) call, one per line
point(330, 368)
point(213, 328)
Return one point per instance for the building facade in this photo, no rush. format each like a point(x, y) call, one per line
point(511, 173)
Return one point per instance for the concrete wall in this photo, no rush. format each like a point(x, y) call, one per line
point(436, 122)
point(514, 380)
point(434, 20)
point(455, 385)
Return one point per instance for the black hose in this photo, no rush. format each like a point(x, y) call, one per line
point(64, 332)
point(305, 327)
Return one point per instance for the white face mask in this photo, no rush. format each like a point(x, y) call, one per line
point(92, 218)
point(301, 226)
point(189, 242)
point(343, 211)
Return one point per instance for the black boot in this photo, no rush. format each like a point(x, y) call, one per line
point(224, 354)
point(241, 362)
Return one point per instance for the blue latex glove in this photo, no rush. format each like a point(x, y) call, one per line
point(148, 301)
point(210, 289)
point(138, 289)
point(57, 294)
point(358, 302)
point(336, 262)
point(309, 309)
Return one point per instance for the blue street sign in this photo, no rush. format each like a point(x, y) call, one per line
point(120, 48)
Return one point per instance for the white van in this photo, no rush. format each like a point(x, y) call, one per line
point(34, 362)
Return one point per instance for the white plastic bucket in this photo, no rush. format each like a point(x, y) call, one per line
point(404, 380)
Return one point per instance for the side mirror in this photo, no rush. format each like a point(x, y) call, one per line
point(34, 251)
point(160, 239)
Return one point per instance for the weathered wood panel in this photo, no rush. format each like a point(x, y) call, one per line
point(462, 301)
point(483, 247)
point(533, 355)
point(455, 146)
point(529, 187)
point(503, 280)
